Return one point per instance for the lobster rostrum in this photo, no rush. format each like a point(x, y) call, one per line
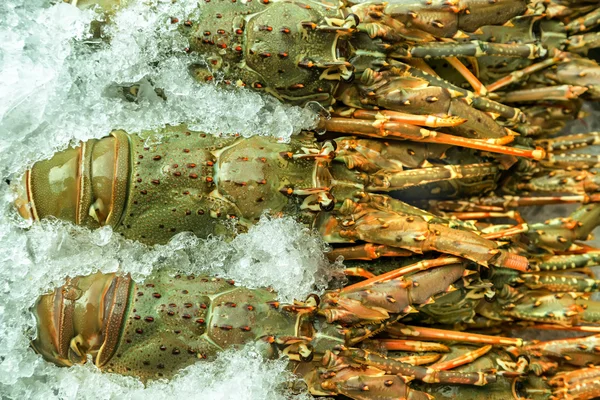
point(154, 329)
point(204, 184)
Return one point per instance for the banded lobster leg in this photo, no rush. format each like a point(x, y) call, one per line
point(584, 23)
point(575, 71)
point(566, 262)
point(379, 223)
point(546, 176)
point(383, 165)
point(502, 204)
point(439, 18)
point(373, 126)
point(569, 142)
point(540, 308)
point(558, 156)
point(580, 351)
point(561, 234)
point(558, 93)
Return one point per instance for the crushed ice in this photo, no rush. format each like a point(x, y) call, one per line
point(55, 89)
point(57, 82)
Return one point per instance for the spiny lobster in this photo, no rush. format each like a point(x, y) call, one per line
point(154, 329)
point(196, 182)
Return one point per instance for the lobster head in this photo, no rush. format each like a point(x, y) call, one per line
point(82, 317)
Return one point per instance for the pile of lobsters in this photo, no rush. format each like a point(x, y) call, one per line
point(443, 121)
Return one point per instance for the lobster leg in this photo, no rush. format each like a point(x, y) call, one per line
point(579, 182)
point(367, 251)
point(419, 266)
point(580, 388)
point(463, 359)
point(430, 121)
point(562, 92)
point(582, 24)
point(569, 142)
point(488, 214)
point(429, 375)
point(381, 129)
point(578, 72)
point(516, 76)
point(513, 115)
point(554, 283)
point(411, 345)
point(480, 89)
point(367, 222)
point(419, 360)
point(361, 384)
point(454, 336)
point(561, 233)
point(542, 307)
point(569, 161)
point(474, 48)
point(392, 90)
point(375, 303)
point(565, 262)
point(390, 180)
point(581, 44)
point(576, 351)
point(500, 204)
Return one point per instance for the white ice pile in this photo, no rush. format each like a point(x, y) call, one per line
point(53, 91)
point(55, 81)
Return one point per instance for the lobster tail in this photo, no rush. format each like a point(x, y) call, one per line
point(85, 316)
point(86, 185)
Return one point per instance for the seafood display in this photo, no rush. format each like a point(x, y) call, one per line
point(441, 119)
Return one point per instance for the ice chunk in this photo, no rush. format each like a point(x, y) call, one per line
point(287, 255)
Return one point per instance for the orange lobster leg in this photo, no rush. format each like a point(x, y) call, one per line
point(411, 345)
point(367, 251)
point(420, 266)
point(391, 130)
point(562, 92)
point(512, 231)
point(475, 83)
point(441, 334)
point(463, 359)
point(516, 76)
point(430, 121)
